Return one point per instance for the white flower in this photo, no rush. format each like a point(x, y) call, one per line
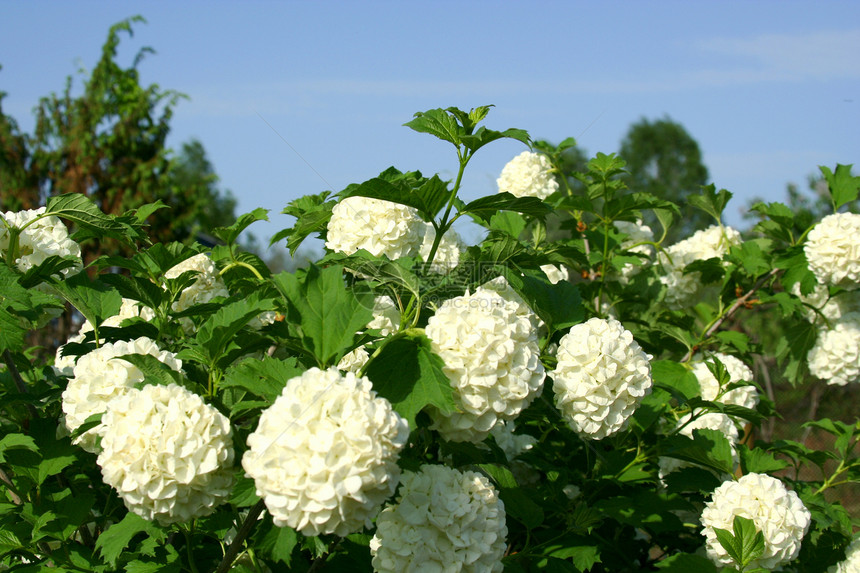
point(207, 286)
point(831, 307)
point(324, 455)
point(510, 443)
point(168, 454)
point(377, 226)
point(833, 250)
point(851, 563)
point(528, 175)
point(444, 520)
point(745, 396)
point(684, 289)
point(490, 349)
point(555, 273)
point(777, 512)
point(99, 377)
point(65, 365)
point(636, 233)
point(354, 360)
point(835, 356)
point(41, 239)
point(601, 377)
point(447, 253)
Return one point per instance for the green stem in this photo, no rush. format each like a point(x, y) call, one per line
point(188, 537)
point(444, 225)
point(241, 535)
point(241, 264)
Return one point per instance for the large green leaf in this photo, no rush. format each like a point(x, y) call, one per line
point(709, 448)
point(328, 314)
point(231, 233)
point(93, 298)
point(843, 186)
point(439, 123)
point(410, 376)
point(427, 196)
point(485, 207)
point(265, 378)
point(217, 335)
point(558, 305)
point(80, 209)
point(711, 201)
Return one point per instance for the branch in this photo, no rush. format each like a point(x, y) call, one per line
point(243, 533)
point(732, 309)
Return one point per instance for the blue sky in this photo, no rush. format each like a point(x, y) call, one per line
point(769, 89)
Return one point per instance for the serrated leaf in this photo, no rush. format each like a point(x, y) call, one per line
point(482, 136)
point(558, 305)
point(676, 378)
point(686, 563)
point(759, 461)
point(711, 202)
point(218, 334)
point(326, 311)
point(154, 370)
point(709, 448)
point(135, 288)
point(843, 186)
point(92, 298)
point(277, 542)
point(427, 196)
point(80, 209)
point(439, 123)
point(16, 442)
point(244, 492)
point(231, 233)
point(410, 376)
point(115, 539)
point(265, 378)
point(485, 207)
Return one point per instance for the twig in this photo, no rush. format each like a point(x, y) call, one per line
point(814, 402)
point(243, 533)
point(732, 309)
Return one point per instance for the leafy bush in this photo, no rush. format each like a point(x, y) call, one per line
point(410, 402)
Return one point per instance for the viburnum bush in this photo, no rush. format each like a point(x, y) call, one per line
point(410, 402)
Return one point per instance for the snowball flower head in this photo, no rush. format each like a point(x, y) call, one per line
point(100, 376)
point(745, 396)
point(833, 250)
point(835, 356)
point(168, 454)
point(206, 287)
point(324, 455)
point(684, 289)
point(528, 174)
point(43, 238)
point(777, 512)
point(851, 563)
point(601, 377)
point(490, 349)
point(377, 226)
point(444, 520)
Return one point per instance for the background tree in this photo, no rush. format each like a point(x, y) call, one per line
point(663, 159)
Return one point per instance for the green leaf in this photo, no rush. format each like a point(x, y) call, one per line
point(711, 201)
point(80, 209)
point(113, 541)
point(748, 539)
point(410, 376)
point(312, 212)
point(16, 442)
point(686, 563)
point(427, 196)
point(327, 312)
point(12, 331)
point(759, 461)
point(676, 378)
point(231, 233)
point(218, 334)
point(709, 448)
point(843, 186)
point(276, 542)
point(558, 305)
point(439, 123)
point(483, 136)
point(135, 288)
point(92, 298)
point(265, 378)
point(521, 507)
point(730, 544)
point(485, 207)
point(244, 492)
point(154, 370)
point(796, 270)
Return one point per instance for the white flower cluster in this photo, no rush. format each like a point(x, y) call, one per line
point(324, 455)
point(65, 365)
point(851, 563)
point(835, 356)
point(745, 396)
point(46, 237)
point(528, 174)
point(444, 520)
point(489, 345)
point(601, 377)
point(99, 377)
point(207, 286)
point(636, 233)
point(777, 512)
point(833, 250)
point(511, 443)
point(684, 289)
point(168, 454)
point(377, 226)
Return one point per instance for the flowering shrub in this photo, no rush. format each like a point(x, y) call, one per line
point(574, 396)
